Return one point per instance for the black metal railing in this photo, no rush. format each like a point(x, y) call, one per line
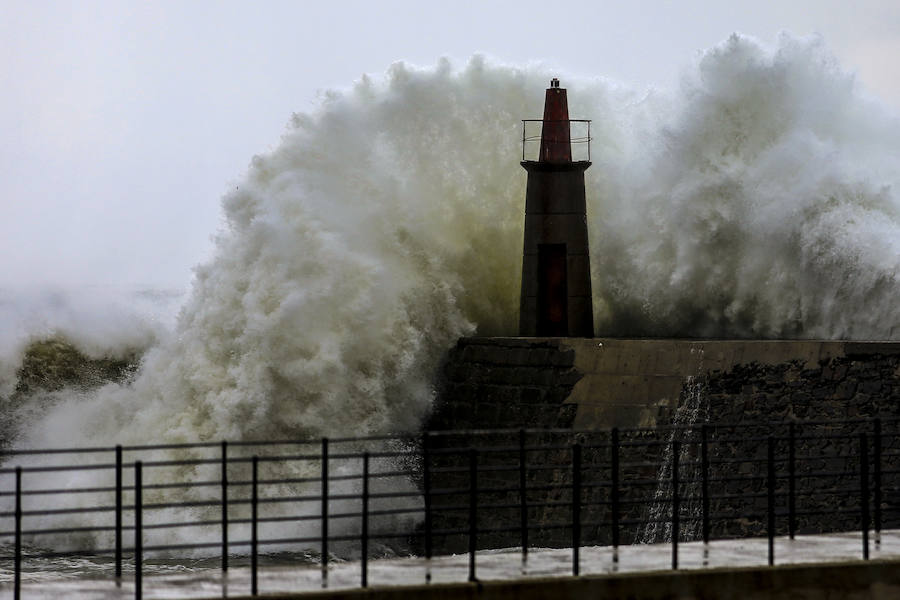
point(449, 491)
point(579, 138)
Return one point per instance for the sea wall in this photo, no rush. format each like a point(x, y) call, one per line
point(598, 383)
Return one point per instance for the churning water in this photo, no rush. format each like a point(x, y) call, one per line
point(687, 422)
point(758, 199)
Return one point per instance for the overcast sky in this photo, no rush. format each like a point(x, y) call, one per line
point(124, 122)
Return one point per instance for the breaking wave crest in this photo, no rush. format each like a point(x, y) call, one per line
point(767, 206)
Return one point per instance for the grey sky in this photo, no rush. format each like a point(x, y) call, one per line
point(124, 122)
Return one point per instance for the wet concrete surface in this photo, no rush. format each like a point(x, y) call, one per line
point(202, 580)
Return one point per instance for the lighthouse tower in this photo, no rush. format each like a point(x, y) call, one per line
point(556, 267)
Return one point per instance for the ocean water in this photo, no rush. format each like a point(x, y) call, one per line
point(759, 199)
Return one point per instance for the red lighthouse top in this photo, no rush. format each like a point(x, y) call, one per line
point(556, 146)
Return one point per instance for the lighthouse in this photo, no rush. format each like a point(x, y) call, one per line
point(556, 265)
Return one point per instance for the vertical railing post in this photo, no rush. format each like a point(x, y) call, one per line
point(614, 494)
point(676, 503)
point(792, 479)
point(589, 141)
point(523, 501)
point(576, 508)
point(770, 504)
point(876, 474)
point(704, 483)
point(224, 477)
point(17, 584)
point(138, 530)
point(864, 492)
point(426, 468)
point(118, 512)
point(364, 533)
point(324, 489)
point(473, 510)
point(523, 140)
point(254, 528)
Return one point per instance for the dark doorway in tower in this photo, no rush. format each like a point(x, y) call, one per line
point(553, 297)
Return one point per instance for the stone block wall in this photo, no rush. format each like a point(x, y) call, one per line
point(862, 383)
point(831, 404)
point(500, 383)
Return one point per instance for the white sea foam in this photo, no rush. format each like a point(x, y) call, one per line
point(767, 206)
point(759, 199)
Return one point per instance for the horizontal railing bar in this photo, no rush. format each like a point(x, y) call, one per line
point(188, 462)
point(598, 484)
point(206, 523)
point(185, 504)
point(824, 474)
point(644, 444)
point(51, 492)
point(196, 546)
point(58, 468)
point(169, 486)
point(359, 455)
point(61, 511)
point(39, 451)
point(261, 482)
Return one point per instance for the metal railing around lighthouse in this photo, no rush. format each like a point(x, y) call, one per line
point(581, 141)
point(470, 490)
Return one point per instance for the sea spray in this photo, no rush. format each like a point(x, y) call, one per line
point(766, 206)
point(757, 200)
point(687, 420)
